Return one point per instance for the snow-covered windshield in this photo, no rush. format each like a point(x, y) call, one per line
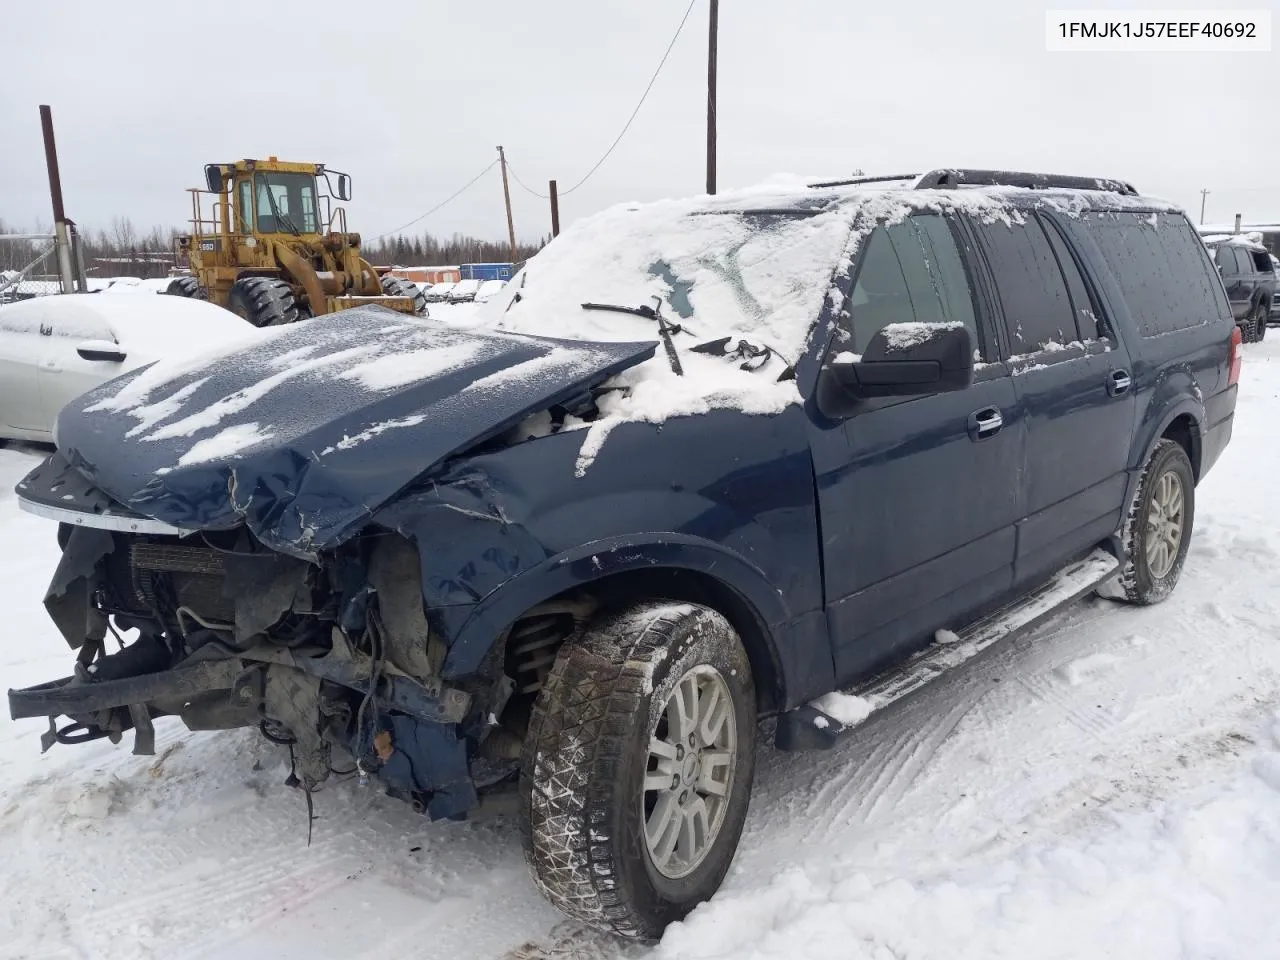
point(759, 272)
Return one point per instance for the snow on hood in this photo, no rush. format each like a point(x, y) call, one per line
point(314, 426)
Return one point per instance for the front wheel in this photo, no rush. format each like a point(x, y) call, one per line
point(1260, 316)
point(1157, 532)
point(264, 302)
point(400, 287)
point(637, 767)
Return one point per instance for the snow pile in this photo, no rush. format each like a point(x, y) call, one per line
point(844, 708)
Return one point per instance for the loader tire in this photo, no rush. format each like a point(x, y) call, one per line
point(264, 302)
point(400, 287)
point(187, 287)
point(644, 729)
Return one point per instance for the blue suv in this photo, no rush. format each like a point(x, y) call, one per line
point(700, 463)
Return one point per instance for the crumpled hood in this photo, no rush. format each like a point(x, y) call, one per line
point(303, 435)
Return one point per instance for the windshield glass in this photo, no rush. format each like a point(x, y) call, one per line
point(286, 203)
point(761, 273)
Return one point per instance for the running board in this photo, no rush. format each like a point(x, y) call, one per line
point(809, 728)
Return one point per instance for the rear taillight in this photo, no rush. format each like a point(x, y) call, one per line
point(1234, 357)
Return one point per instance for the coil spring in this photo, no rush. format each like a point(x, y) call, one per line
point(533, 646)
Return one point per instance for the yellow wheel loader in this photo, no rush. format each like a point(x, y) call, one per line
point(275, 248)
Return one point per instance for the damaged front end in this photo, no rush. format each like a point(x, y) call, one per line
point(333, 658)
point(219, 525)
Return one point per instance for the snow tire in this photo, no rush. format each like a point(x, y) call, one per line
point(1137, 581)
point(399, 287)
point(582, 784)
point(187, 287)
point(264, 302)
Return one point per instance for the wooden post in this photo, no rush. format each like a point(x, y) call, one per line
point(62, 239)
point(506, 195)
point(555, 210)
point(711, 95)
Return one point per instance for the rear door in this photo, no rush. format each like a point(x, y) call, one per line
point(21, 347)
point(63, 373)
point(918, 496)
point(1235, 278)
point(1073, 381)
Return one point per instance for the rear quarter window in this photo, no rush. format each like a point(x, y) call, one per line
point(1162, 268)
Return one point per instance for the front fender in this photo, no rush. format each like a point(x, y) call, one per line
point(603, 558)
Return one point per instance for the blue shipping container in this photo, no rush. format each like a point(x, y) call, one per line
point(486, 271)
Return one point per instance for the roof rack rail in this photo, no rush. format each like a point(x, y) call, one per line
point(1013, 178)
point(855, 180)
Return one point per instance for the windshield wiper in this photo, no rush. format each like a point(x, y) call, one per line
point(275, 211)
point(665, 327)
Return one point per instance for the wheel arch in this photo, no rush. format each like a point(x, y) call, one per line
point(615, 574)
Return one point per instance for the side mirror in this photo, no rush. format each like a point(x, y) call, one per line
point(213, 177)
point(344, 187)
point(902, 360)
point(101, 350)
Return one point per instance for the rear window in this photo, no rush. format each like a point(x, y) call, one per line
point(1162, 268)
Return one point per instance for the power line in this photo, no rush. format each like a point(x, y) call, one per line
point(528, 189)
point(449, 199)
point(630, 119)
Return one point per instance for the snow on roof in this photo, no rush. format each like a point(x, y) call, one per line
point(755, 264)
point(1253, 241)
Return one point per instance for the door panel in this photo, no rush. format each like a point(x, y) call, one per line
point(918, 497)
point(63, 374)
point(20, 352)
point(1074, 384)
point(919, 511)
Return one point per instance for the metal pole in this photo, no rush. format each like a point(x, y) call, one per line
point(555, 210)
point(506, 195)
point(1239, 216)
point(63, 240)
point(712, 43)
point(1204, 195)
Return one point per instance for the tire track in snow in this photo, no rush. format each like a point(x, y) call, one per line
point(893, 764)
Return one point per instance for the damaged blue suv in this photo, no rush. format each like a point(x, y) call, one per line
point(702, 462)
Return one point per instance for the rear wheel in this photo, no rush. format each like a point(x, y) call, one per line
point(1158, 529)
point(1260, 321)
point(637, 767)
point(187, 287)
point(264, 302)
point(400, 287)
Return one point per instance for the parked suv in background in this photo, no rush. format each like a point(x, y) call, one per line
point(700, 462)
point(1250, 280)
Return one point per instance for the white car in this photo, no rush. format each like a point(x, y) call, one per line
point(464, 291)
point(489, 289)
point(52, 349)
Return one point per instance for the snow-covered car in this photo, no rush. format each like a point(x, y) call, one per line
point(788, 453)
point(52, 349)
point(464, 291)
point(488, 290)
point(439, 292)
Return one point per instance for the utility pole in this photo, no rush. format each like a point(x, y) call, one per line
point(1204, 195)
point(506, 195)
point(555, 209)
point(711, 95)
point(62, 238)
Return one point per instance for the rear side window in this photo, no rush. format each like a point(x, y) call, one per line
point(1163, 270)
point(910, 272)
point(1083, 305)
point(1033, 293)
point(1228, 261)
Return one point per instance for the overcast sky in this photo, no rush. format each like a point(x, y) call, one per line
point(411, 98)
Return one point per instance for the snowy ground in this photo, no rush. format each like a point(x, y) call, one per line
point(1107, 787)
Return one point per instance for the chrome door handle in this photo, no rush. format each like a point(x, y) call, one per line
point(985, 423)
point(1119, 382)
